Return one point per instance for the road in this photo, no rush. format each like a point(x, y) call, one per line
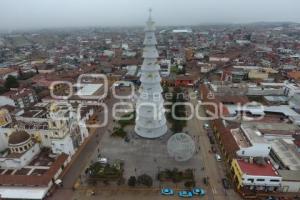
point(83, 158)
point(213, 169)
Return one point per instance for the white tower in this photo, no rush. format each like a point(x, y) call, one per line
point(150, 112)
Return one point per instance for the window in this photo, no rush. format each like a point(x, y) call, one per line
point(274, 180)
point(260, 179)
point(250, 179)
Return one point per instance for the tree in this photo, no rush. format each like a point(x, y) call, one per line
point(11, 82)
point(206, 58)
point(179, 110)
point(132, 181)
point(190, 184)
point(145, 179)
point(2, 89)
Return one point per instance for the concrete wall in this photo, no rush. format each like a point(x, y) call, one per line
point(290, 186)
point(267, 180)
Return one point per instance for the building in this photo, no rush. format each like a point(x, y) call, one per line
point(251, 142)
point(21, 150)
point(150, 120)
point(5, 72)
point(35, 180)
point(185, 80)
point(256, 174)
point(20, 98)
point(53, 125)
point(165, 68)
point(290, 180)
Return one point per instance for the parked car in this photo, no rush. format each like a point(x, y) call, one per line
point(198, 191)
point(167, 191)
point(206, 126)
point(211, 140)
point(185, 194)
point(205, 180)
point(218, 157)
point(225, 183)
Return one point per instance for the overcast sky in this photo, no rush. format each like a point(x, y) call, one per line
point(19, 14)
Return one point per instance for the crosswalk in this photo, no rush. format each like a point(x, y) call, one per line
point(213, 189)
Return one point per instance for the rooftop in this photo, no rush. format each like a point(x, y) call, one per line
point(255, 169)
point(88, 89)
point(36, 178)
point(287, 153)
point(290, 175)
point(18, 93)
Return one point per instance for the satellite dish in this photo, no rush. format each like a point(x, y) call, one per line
point(181, 147)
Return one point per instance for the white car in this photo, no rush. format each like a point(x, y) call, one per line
point(218, 157)
point(102, 160)
point(206, 126)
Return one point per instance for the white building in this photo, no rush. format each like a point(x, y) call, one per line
point(21, 150)
point(20, 98)
point(53, 131)
point(256, 174)
point(251, 142)
point(165, 68)
point(150, 117)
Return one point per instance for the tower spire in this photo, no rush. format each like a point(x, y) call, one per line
point(150, 13)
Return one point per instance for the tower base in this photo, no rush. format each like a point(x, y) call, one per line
point(151, 133)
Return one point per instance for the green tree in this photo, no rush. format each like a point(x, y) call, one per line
point(145, 179)
point(190, 184)
point(11, 82)
point(179, 110)
point(132, 181)
point(2, 89)
point(206, 58)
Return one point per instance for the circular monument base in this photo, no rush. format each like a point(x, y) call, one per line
point(150, 133)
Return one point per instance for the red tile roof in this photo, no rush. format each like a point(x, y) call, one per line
point(256, 169)
point(35, 180)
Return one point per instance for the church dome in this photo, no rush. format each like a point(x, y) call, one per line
point(18, 137)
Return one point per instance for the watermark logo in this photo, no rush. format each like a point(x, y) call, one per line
point(92, 90)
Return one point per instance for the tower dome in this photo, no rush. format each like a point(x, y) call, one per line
point(19, 141)
point(18, 137)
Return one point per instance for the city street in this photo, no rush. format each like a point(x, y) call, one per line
point(213, 168)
